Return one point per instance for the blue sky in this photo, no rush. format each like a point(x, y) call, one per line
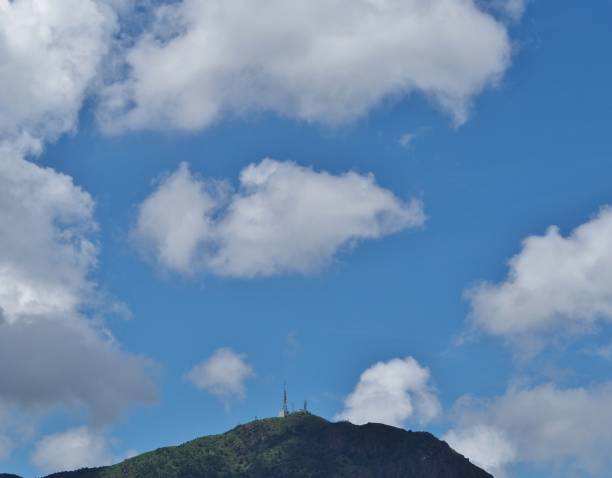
point(330, 297)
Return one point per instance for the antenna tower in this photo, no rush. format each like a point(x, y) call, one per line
point(285, 406)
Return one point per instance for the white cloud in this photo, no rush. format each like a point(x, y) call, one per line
point(50, 353)
point(50, 52)
point(175, 220)
point(544, 425)
point(321, 60)
point(555, 284)
point(50, 362)
point(223, 374)
point(284, 218)
point(72, 449)
point(392, 392)
point(46, 246)
point(485, 446)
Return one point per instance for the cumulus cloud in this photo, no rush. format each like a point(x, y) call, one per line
point(5, 442)
point(392, 392)
point(543, 425)
point(51, 354)
point(47, 246)
point(176, 219)
point(49, 54)
point(47, 362)
point(555, 283)
point(485, 446)
point(283, 218)
point(223, 374)
point(72, 449)
point(324, 61)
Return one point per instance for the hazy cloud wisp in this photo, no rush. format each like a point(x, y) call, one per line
point(544, 425)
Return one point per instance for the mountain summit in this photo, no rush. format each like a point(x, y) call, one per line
point(299, 445)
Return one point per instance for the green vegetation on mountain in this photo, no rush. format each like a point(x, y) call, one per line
point(300, 445)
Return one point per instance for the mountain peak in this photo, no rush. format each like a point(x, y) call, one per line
point(298, 445)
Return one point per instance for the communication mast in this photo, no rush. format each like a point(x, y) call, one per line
point(285, 406)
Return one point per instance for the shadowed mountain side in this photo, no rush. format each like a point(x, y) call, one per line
point(300, 445)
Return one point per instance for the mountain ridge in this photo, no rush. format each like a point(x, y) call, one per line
point(300, 445)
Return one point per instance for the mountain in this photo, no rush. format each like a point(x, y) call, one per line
point(300, 445)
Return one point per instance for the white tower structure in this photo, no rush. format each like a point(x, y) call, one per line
point(285, 406)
